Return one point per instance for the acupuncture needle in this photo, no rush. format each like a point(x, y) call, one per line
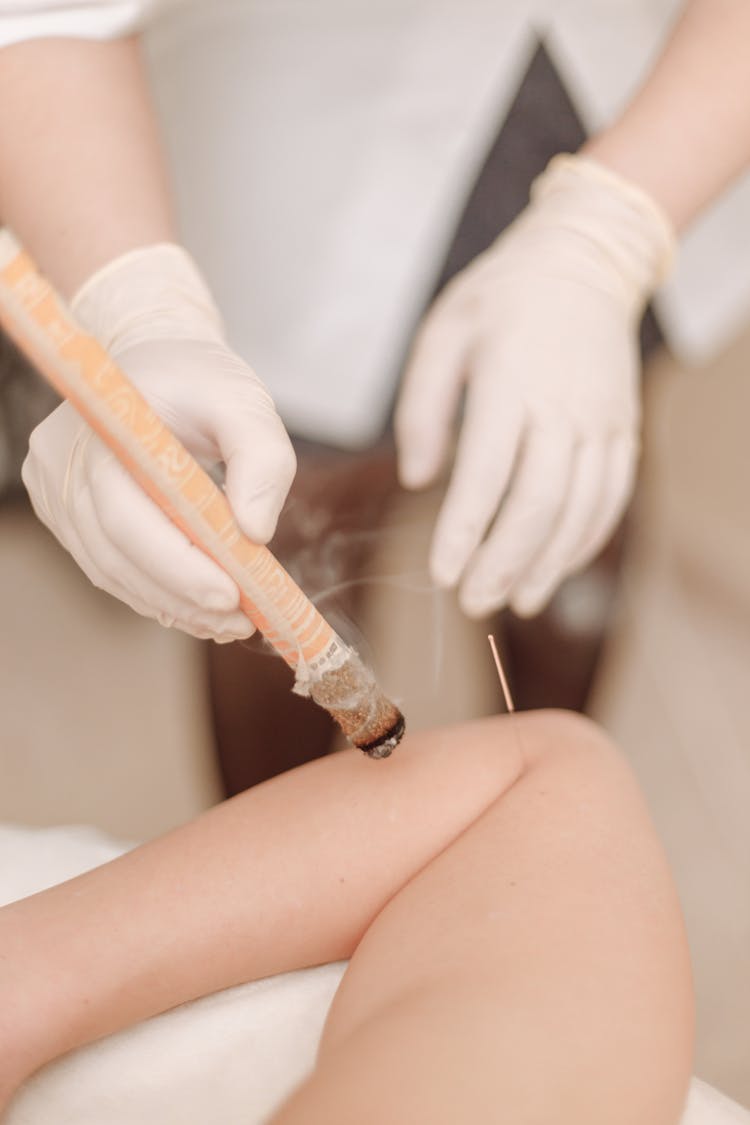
point(501, 674)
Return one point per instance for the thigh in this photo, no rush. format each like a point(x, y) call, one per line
point(536, 968)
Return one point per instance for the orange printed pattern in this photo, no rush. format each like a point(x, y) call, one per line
point(81, 371)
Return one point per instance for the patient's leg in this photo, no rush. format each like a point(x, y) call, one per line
point(579, 935)
point(289, 874)
point(534, 972)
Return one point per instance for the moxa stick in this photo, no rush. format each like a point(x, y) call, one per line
point(79, 368)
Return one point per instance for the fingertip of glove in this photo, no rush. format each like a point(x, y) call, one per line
point(527, 604)
point(258, 513)
point(415, 475)
point(445, 570)
point(258, 526)
point(475, 609)
point(257, 507)
point(481, 603)
point(228, 638)
point(235, 627)
point(221, 601)
point(418, 458)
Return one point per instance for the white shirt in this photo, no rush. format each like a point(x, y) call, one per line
point(88, 19)
point(322, 153)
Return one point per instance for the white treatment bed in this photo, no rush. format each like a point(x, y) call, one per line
point(231, 1057)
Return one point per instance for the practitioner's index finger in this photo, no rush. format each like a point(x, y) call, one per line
point(485, 458)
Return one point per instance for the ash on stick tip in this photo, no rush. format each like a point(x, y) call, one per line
point(385, 744)
point(352, 697)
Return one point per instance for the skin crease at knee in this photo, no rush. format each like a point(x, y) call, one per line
point(411, 985)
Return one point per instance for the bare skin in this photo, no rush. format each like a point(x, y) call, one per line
point(82, 174)
point(516, 942)
point(686, 134)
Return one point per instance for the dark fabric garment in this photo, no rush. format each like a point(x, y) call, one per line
point(25, 399)
point(541, 122)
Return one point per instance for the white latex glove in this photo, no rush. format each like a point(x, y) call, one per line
point(154, 314)
point(541, 330)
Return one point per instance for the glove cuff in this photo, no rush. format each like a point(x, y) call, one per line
point(155, 292)
point(624, 222)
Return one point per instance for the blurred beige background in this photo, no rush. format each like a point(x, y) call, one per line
point(106, 718)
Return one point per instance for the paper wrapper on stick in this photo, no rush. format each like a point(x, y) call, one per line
point(326, 669)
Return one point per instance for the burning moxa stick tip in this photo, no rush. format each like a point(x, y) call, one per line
point(367, 717)
point(384, 746)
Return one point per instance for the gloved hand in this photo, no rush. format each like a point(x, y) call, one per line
point(541, 330)
point(154, 314)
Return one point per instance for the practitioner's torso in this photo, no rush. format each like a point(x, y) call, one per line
point(322, 153)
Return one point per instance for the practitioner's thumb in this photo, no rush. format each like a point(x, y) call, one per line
point(260, 467)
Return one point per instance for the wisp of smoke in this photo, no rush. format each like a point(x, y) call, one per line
point(328, 567)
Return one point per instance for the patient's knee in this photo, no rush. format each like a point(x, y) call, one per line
point(551, 736)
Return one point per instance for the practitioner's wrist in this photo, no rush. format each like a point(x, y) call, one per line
point(584, 196)
point(151, 293)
